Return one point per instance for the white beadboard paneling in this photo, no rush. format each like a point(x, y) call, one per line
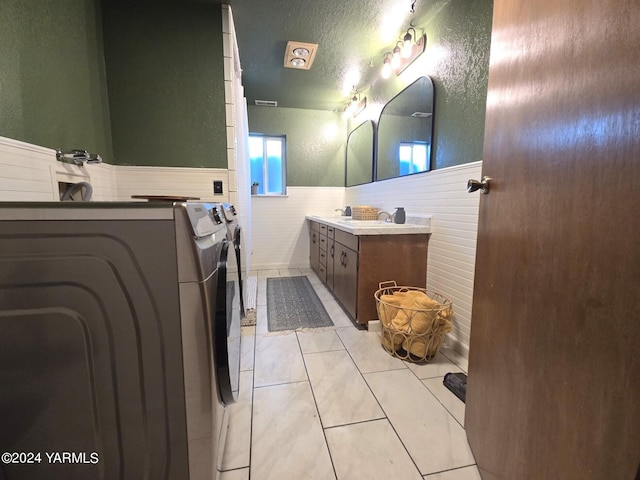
point(25, 172)
point(452, 246)
point(30, 173)
point(180, 181)
point(103, 178)
point(280, 235)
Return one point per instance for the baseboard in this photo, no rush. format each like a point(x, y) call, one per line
point(277, 266)
point(457, 351)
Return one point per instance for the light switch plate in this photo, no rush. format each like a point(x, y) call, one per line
point(217, 186)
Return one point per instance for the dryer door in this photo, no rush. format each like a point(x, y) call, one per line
point(237, 243)
point(227, 325)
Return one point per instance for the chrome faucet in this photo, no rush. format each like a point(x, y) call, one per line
point(340, 210)
point(389, 217)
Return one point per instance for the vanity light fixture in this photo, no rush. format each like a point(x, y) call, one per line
point(401, 58)
point(300, 55)
point(356, 105)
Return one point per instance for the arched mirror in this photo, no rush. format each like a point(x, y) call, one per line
point(359, 164)
point(405, 130)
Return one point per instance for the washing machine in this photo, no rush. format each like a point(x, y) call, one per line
point(119, 340)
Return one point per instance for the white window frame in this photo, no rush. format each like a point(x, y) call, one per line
point(283, 171)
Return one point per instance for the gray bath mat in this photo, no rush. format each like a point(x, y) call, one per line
point(292, 303)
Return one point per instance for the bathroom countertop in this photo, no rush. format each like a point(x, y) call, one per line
point(414, 225)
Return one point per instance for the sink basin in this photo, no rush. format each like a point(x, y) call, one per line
point(365, 223)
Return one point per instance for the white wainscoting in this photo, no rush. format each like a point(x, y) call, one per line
point(31, 173)
point(178, 181)
point(278, 225)
point(452, 246)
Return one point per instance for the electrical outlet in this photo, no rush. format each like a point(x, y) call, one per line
point(217, 186)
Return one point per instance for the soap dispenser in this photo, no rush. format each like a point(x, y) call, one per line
point(347, 211)
point(399, 215)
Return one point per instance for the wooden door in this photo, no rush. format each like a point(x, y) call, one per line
point(554, 370)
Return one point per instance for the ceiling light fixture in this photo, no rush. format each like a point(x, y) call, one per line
point(300, 55)
point(401, 58)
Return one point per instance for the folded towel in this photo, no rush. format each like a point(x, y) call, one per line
point(392, 342)
point(423, 347)
point(391, 304)
point(417, 313)
point(389, 308)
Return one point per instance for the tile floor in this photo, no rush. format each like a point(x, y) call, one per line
point(332, 404)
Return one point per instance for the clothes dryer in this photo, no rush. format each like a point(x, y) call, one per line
point(119, 339)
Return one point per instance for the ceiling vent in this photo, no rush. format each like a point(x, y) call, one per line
point(266, 103)
point(300, 55)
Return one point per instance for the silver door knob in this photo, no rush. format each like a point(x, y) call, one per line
point(473, 185)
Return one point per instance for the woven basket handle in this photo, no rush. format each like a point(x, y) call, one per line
point(387, 284)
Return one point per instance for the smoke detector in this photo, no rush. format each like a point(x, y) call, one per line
point(300, 55)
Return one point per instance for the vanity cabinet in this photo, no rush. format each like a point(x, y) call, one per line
point(352, 266)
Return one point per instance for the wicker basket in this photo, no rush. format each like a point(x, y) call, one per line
point(414, 321)
point(364, 213)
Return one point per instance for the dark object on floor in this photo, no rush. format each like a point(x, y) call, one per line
point(457, 383)
point(292, 303)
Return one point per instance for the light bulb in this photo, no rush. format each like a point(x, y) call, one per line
point(386, 68)
point(301, 52)
point(395, 60)
point(407, 47)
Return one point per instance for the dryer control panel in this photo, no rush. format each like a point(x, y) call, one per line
point(204, 217)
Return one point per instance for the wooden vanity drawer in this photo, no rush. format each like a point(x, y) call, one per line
point(323, 258)
point(347, 239)
point(323, 242)
point(330, 232)
point(322, 272)
point(323, 229)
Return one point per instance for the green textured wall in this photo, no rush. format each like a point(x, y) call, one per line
point(52, 78)
point(316, 142)
point(166, 83)
point(457, 60)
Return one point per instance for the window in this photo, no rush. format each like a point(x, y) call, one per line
point(413, 157)
point(268, 163)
